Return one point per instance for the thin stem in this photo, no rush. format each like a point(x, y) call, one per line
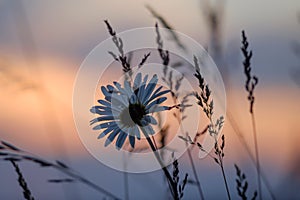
point(86, 181)
point(220, 158)
point(26, 192)
point(172, 185)
point(190, 155)
point(195, 174)
point(257, 155)
point(222, 169)
point(126, 186)
point(250, 84)
point(193, 165)
point(225, 180)
point(154, 142)
point(206, 103)
point(241, 138)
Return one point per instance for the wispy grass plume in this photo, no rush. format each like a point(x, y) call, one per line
point(206, 102)
point(250, 85)
point(122, 58)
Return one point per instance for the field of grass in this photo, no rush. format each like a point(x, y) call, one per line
point(250, 145)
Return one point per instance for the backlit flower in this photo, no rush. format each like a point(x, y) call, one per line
point(128, 108)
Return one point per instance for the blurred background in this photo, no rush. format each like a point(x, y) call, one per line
point(43, 43)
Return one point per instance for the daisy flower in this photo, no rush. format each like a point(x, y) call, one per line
point(127, 110)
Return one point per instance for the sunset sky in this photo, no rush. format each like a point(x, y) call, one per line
point(43, 44)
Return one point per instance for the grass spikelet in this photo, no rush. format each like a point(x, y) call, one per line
point(122, 58)
point(242, 184)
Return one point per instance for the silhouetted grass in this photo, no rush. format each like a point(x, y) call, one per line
point(246, 146)
point(13, 154)
point(122, 58)
point(174, 88)
point(166, 25)
point(205, 101)
point(22, 182)
point(242, 184)
point(180, 184)
point(9, 152)
point(250, 85)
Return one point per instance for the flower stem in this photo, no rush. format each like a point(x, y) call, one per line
point(171, 183)
point(126, 188)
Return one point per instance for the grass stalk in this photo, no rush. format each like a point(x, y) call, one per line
point(195, 174)
point(250, 85)
point(225, 181)
point(224, 176)
point(242, 140)
point(164, 54)
point(206, 102)
point(220, 155)
point(26, 192)
point(9, 152)
point(199, 188)
point(257, 155)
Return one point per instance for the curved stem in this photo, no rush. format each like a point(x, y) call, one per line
point(172, 185)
